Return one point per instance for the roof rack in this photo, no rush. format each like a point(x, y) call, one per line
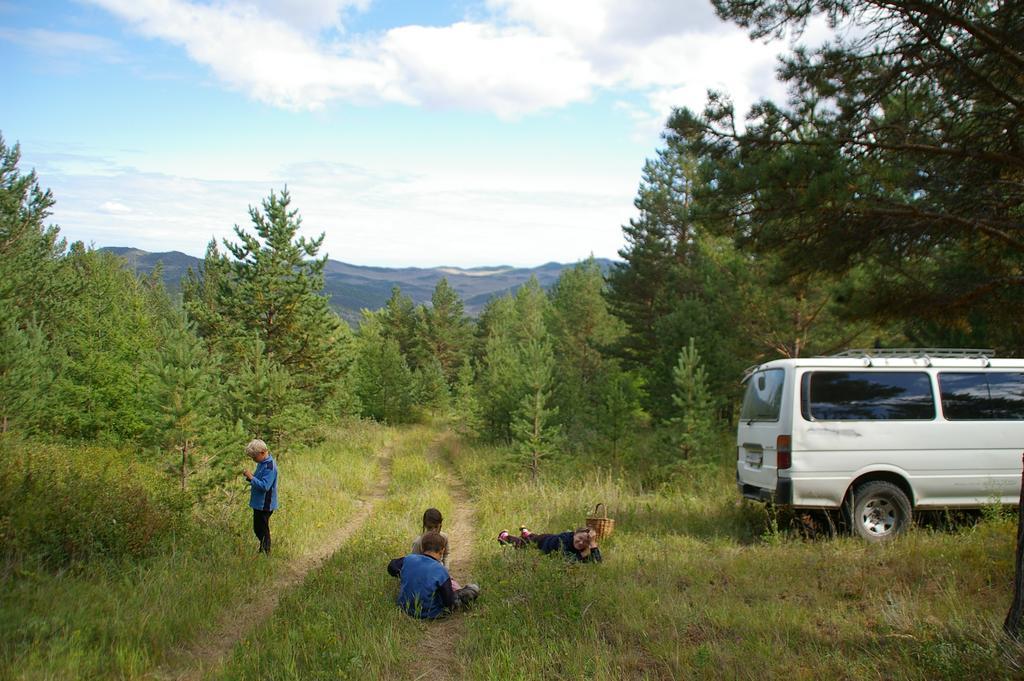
point(934, 353)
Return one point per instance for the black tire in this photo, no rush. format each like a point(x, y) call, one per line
point(880, 511)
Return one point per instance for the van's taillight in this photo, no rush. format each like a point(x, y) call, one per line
point(783, 452)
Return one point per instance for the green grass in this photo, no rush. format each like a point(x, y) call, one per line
point(343, 622)
point(694, 585)
point(690, 589)
point(121, 618)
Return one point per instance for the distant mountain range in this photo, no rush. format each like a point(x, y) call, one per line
point(352, 287)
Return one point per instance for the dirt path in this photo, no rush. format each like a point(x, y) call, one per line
point(237, 622)
point(435, 653)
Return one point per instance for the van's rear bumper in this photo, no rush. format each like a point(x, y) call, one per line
point(782, 494)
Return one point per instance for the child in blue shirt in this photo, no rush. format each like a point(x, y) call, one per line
point(426, 588)
point(263, 491)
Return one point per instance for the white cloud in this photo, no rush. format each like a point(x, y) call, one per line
point(509, 71)
point(259, 54)
point(114, 208)
point(725, 61)
point(529, 56)
point(670, 51)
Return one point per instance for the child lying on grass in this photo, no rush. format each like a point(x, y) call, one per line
point(578, 546)
point(426, 588)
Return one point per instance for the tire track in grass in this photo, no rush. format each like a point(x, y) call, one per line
point(435, 652)
point(209, 652)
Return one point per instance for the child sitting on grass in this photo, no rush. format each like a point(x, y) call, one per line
point(426, 588)
point(432, 523)
point(578, 546)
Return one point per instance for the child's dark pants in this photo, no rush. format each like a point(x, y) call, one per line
point(261, 528)
point(521, 543)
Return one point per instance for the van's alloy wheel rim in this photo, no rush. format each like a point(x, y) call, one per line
point(879, 516)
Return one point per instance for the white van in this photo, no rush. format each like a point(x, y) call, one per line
point(879, 433)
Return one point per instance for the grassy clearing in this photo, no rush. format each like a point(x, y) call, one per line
point(121, 618)
point(693, 586)
point(343, 622)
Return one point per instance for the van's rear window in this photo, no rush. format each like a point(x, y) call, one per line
point(763, 398)
point(982, 396)
point(867, 396)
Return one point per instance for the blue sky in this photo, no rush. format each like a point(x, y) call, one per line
point(411, 133)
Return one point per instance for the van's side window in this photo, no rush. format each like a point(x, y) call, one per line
point(976, 395)
point(867, 395)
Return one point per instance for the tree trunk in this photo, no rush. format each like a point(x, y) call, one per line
point(3, 427)
point(184, 464)
point(536, 436)
point(1013, 618)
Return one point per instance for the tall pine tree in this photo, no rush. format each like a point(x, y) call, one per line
point(897, 155)
point(271, 287)
point(446, 333)
point(694, 422)
point(582, 331)
point(183, 391)
point(534, 424)
point(383, 382)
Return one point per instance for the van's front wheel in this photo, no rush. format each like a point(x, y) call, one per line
point(880, 510)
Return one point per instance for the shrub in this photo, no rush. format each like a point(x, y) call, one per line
point(65, 504)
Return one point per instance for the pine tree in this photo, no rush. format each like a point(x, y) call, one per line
point(183, 392)
point(109, 328)
point(430, 387)
point(25, 373)
point(531, 306)
point(582, 329)
point(445, 332)
point(644, 286)
point(382, 380)
point(273, 286)
point(897, 156)
point(534, 425)
point(618, 413)
point(660, 270)
point(30, 251)
point(501, 385)
point(495, 320)
point(400, 321)
point(264, 399)
point(204, 296)
point(466, 417)
point(513, 325)
point(694, 423)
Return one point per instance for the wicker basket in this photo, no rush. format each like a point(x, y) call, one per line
point(602, 525)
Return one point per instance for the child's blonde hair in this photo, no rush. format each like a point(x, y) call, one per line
point(256, 447)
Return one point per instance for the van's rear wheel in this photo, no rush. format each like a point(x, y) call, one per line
point(880, 511)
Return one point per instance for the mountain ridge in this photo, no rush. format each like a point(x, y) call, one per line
point(352, 288)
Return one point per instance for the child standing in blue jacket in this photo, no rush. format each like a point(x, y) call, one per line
point(263, 491)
